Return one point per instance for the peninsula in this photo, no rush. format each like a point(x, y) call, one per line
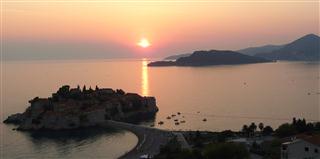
point(71, 108)
point(211, 57)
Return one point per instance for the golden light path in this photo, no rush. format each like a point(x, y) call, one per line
point(144, 78)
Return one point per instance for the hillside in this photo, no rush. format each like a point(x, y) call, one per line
point(306, 48)
point(261, 49)
point(212, 57)
point(175, 57)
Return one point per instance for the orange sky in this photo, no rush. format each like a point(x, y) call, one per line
point(171, 26)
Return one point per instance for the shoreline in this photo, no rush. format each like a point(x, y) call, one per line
point(149, 139)
point(127, 153)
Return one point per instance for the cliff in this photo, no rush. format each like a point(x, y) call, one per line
point(75, 108)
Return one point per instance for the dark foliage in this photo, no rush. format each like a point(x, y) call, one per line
point(225, 151)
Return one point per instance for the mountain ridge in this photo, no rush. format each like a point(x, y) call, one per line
point(306, 48)
point(211, 57)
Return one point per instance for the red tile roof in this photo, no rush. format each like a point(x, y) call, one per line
point(313, 138)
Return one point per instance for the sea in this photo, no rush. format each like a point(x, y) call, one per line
point(210, 98)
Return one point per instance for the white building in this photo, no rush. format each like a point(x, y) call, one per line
point(301, 147)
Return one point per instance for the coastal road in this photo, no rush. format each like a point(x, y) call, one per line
point(150, 139)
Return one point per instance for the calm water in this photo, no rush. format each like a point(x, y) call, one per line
point(227, 96)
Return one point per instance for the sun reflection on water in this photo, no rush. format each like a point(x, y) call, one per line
point(144, 78)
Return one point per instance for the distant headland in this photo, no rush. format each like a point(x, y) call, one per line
point(71, 108)
point(305, 48)
point(211, 57)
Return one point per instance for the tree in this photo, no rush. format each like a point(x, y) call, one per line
point(285, 130)
point(294, 121)
point(301, 125)
point(90, 89)
point(226, 151)
point(252, 128)
point(63, 91)
point(310, 127)
point(120, 91)
point(245, 130)
point(97, 88)
point(267, 130)
point(261, 126)
point(83, 118)
point(317, 126)
point(84, 89)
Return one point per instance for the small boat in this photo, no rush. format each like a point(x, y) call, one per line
point(204, 119)
point(182, 121)
point(198, 112)
point(175, 119)
point(168, 117)
point(176, 123)
point(178, 113)
point(160, 122)
point(173, 115)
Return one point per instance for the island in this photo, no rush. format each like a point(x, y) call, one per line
point(211, 57)
point(71, 108)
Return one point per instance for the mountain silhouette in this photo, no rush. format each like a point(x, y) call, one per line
point(212, 57)
point(175, 57)
point(260, 49)
point(306, 48)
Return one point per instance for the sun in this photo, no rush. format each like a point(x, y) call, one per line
point(144, 43)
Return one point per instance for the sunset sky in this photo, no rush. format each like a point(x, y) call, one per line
point(73, 29)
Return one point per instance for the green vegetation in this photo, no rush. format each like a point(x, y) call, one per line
point(267, 131)
point(214, 145)
point(211, 151)
point(296, 127)
point(83, 118)
point(225, 151)
point(251, 130)
point(120, 92)
point(63, 91)
point(271, 149)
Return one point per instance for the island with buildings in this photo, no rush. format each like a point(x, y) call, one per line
point(71, 108)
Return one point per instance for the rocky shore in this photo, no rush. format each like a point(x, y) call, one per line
point(71, 108)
